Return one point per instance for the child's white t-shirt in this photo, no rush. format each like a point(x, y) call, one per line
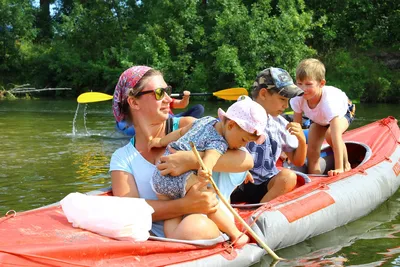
point(333, 103)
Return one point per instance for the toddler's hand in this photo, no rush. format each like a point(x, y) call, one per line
point(186, 94)
point(155, 142)
point(204, 175)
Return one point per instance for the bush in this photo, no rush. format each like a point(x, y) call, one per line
point(360, 76)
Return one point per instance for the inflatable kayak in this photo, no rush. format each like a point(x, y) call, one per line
point(317, 205)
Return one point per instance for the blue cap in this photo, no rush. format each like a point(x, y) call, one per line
point(278, 80)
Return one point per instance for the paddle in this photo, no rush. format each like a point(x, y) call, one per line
point(240, 219)
point(227, 94)
point(91, 97)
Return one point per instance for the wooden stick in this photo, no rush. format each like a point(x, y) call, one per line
point(30, 90)
point(240, 219)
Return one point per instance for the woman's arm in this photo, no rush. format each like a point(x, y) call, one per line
point(197, 200)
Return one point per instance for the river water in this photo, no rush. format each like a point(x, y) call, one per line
point(44, 156)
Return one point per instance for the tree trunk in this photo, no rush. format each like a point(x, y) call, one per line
point(44, 20)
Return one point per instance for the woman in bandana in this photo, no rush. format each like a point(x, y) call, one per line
point(142, 98)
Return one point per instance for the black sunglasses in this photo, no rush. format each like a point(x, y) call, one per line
point(158, 92)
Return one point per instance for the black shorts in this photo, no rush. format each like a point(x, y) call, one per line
point(351, 113)
point(250, 193)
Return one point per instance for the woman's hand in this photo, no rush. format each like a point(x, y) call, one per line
point(200, 199)
point(177, 163)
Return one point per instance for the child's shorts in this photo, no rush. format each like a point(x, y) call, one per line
point(250, 193)
point(351, 112)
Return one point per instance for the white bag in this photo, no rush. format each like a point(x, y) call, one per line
point(123, 218)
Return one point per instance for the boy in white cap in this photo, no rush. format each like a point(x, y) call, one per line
point(272, 89)
point(244, 122)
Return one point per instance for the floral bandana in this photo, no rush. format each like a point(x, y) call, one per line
point(127, 80)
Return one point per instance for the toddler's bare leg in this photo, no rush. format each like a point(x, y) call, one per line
point(190, 227)
point(191, 180)
point(223, 222)
point(170, 225)
point(226, 225)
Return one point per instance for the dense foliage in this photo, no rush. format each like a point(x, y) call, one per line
point(199, 45)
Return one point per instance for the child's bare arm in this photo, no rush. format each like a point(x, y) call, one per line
point(172, 136)
point(181, 103)
point(297, 117)
point(298, 156)
point(210, 158)
point(337, 143)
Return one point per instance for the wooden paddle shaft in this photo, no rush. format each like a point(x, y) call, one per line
point(227, 204)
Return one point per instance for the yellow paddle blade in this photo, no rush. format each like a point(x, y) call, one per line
point(91, 97)
point(231, 93)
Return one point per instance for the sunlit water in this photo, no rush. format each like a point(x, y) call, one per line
point(46, 152)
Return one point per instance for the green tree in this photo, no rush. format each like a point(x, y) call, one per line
point(249, 38)
point(16, 33)
point(361, 23)
point(44, 21)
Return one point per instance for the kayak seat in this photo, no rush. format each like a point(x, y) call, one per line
point(358, 154)
point(302, 179)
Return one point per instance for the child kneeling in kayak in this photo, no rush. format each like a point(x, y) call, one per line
point(329, 109)
point(244, 122)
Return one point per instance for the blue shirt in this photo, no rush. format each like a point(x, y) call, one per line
point(267, 154)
